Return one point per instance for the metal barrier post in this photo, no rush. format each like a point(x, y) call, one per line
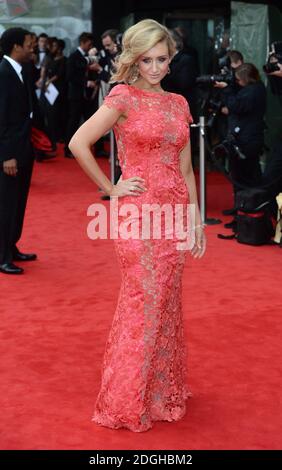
point(112, 156)
point(202, 170)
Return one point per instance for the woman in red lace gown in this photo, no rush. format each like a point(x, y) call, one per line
point(144, 368)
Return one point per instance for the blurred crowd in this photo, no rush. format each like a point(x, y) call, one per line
point(68, 90)
point(47, 96)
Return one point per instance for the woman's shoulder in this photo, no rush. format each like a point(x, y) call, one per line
point(183, 105)
point(179, 98)
point(256, 88)
point(118, 98)
point(120, 89)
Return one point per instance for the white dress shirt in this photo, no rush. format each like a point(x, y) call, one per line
point(16, 66)
point(81, 51)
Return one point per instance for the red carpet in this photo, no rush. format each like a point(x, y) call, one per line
point(55, 320)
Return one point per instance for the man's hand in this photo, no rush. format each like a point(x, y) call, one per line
point(39, 83)
point(277, 73)
point(10, 167)
point(91, 84)
point(224, 110)
point(220, 84)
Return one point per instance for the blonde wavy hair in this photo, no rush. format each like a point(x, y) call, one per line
point(136, 40)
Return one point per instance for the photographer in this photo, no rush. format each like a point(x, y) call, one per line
point(183, 72)
point(229, 63)
point(107, 57)
point(273, 168)
point(236, 59)
point(273, 67)
point(102, 70)
point(245, 110)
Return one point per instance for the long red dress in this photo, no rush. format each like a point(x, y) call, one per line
point(144, 367)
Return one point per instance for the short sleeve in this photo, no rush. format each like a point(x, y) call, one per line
point(118, 98)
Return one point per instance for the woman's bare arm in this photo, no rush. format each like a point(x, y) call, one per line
point(81, 144)
point(188, 174)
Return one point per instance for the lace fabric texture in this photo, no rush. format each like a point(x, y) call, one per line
point(144, 376)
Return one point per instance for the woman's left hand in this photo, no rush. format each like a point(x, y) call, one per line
point(199, 247)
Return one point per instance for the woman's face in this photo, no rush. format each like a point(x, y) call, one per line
point(153, 64)
point(54, 48)
point(240, 81)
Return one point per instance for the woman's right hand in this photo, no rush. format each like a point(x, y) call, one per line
point(130, 187)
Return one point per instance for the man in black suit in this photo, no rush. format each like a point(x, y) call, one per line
point(16, 153)
point(183, 73)
point(77, 69)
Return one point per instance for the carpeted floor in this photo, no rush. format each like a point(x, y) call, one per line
point(56, 317)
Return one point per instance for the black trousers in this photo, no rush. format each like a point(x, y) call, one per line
point(13, 198)
point(247, 172)
point(78, 110)
point(51, 120)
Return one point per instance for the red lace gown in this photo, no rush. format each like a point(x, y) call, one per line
point(144, 367)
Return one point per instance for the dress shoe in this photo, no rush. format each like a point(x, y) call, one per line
point(24, 256)
point(232, 225)
point(229, 211)
point(10, 268)
point(102, 153)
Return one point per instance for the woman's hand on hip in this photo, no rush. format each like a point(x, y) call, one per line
point(134, 186)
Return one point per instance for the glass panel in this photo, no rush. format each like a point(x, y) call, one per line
point(65, 19)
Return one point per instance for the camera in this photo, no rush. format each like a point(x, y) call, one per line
point(93, 56)
point(270, 67)
point(226, 75)
point(229, 147)
point(274, 58)
point(92, 59)
point(119, 42)
point(214, 106)
point(225, 62)
point(211, 79)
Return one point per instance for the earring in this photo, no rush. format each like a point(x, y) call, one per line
point(168, 70)
point(135, 73)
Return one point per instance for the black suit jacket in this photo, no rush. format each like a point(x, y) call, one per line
point(182, 77)
point(76, 75)
point(246, 111)
point(15, 121)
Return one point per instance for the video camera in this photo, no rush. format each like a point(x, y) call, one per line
point(211, 99)
point(226, 74)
